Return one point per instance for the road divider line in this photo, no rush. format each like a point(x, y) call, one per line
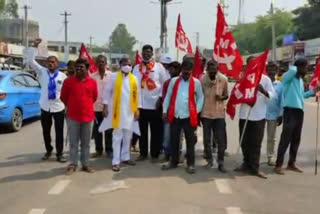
point(37, 211)
point(234, 210)
point(59, 187)
point(223, 186)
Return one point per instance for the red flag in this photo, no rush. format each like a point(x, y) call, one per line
point(245, 90)
point(315, 81)
point(85, 55)
point(197, 69)
point(182, 41)
point(225, 50)
point(138, 58)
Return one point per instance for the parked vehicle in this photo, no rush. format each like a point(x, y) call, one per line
point(8, 67)
point(19, 98)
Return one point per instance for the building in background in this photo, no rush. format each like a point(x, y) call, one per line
point(12, 30)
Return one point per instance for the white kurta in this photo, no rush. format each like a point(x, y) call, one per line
point(126, 116)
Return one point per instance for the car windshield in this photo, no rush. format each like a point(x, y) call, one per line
point(1, 77)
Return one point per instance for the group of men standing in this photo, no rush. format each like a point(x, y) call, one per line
point(173, 103)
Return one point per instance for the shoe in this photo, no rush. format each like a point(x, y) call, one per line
point(141, 158)
point(154, 160)
point(222, 169)
point(109, 154)
point(61, 159)
point(168, 166)
point(46, 156)
point(295, 168)
point(165, 159)
point(260, 175)
point(242, 168)
point(279, 170)
point(71, 169)
point(129, 162)
point(209, 165)
point(116, 168)
point(96, 155)
point(191, 170)
point(87, 169)
point(271, 162)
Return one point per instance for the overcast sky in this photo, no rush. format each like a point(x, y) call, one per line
point(98, 18)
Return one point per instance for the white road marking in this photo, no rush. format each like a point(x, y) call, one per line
point(234, 210)
point(37, 211)
point(59, 187)
point(223, 186)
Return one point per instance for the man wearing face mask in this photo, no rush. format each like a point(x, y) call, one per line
point(121, 112)
point(101, 77)
point(79, 93)
point(183, 103)
point(51, 81)
point(150, 76)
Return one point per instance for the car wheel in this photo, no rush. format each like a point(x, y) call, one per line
point(16, 120)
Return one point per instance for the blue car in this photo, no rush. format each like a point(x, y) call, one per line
point(19, 98)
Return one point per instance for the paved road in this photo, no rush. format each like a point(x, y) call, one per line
point(30, 186)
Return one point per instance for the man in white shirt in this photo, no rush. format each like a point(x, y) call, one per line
point(254, 132)
point(51, 81)
point(121, 111)
point(150, 76)
point(102, 77)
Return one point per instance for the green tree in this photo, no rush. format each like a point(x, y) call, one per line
point(121, 41)
point(11, 8)
point(256, 37)
point(307, 20)
point(245, 36)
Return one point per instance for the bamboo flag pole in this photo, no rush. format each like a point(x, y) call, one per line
point(317, 139)
point(177, 54)
point(243, 131)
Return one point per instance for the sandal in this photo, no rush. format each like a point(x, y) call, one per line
point(87, 169)
point(116, 168)
point(71, 169)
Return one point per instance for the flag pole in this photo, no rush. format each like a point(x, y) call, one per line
point(177, 54)
point(317, 139)
point(243, 131)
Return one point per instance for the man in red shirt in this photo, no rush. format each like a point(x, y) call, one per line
point(79, 94)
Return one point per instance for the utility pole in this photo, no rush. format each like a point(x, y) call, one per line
point(224, 6)
point(26, 26)
point(163, 23)
point(66, 46)
point(241, 12)
point(274, 44)
point(90, 48)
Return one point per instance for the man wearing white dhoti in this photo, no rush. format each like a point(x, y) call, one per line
point(121, 112)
